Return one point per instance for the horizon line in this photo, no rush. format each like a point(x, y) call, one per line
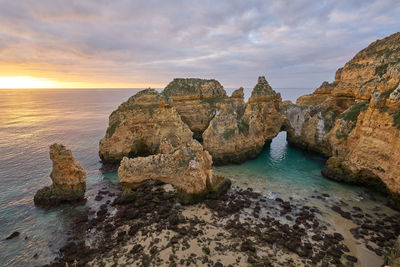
point(113, 88)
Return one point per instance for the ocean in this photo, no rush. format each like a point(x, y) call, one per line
point(32, 119)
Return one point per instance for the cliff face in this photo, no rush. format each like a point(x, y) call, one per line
point(372, 69)
point(355, 119)
point(68, 177)
point(366, 143)
point(139, 125)
point(307, 126)
point(196, 101)
point(238, 133)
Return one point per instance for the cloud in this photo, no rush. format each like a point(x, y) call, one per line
point(294, 43)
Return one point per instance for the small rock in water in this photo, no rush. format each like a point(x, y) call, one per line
point(13, 235)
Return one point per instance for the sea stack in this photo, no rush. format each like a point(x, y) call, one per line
point(68, 177)
point(239, 131)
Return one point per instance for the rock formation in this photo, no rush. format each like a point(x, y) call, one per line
point(393, 259)
point(68, 177)
point(355, 120)
point(239, 132)
point(196, 101)
point(188, 168)
point(137, 127)
point(372, 69)
point(366, 144)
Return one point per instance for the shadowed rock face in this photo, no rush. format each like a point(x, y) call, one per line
point(236, 134)
point(188, 168)
point(139, 125)
point(196, 101)
point(68, 177)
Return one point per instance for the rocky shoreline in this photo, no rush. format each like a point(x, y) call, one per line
point(241, 227)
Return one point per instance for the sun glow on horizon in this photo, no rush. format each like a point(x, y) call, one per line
point(29, 82)
point(20, 82)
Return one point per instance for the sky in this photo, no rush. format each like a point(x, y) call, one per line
point(121, 43)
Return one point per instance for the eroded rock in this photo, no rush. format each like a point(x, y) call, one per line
point(188, 168)
point(196, 101)
point(139, 125)
point(68, 177)
point(236, 133)
point(355, 119)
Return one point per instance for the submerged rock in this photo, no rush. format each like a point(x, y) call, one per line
point(239, 132)
point(188, 168)
point(139, 125)
point(68, 177)
point(13, 235)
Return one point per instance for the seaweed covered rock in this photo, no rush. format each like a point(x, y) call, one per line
point(68, 177)
point(196, 101)
point(393, 259)
point(237, 134)
point(188, 168)
point(139, 125)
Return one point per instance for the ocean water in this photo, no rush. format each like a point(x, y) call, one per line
point(31, 120)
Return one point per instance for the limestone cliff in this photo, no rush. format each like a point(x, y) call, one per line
point(365, 143)
point(355, 119)
point(139, 125)
point(372, 69)
point(68, 177)
point(188, 168)
point(307, 126)
point(196, 101)
point(368, 71)
point(236, 133)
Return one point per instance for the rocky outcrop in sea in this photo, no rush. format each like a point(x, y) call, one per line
point(239, 132)
point(68, 179)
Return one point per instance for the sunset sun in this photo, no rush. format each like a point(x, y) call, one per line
point(26, 82)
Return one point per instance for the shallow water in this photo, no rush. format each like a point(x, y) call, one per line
point(31, 120)
point(286, 172)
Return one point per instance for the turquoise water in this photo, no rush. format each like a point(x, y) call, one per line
point(31, 120)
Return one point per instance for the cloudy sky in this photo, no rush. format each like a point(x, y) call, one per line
point(121, 43)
